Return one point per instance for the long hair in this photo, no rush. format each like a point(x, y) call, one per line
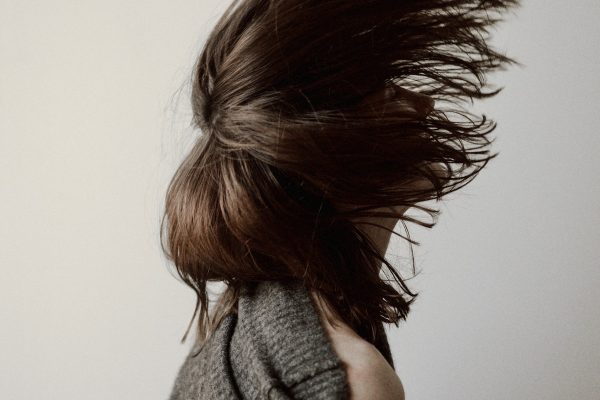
point(316, 113)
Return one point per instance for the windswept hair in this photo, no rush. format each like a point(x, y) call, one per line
point(316, 113)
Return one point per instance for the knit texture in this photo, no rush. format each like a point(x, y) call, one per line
point(273, 348)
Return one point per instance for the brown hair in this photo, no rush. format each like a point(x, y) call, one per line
point(299, 142)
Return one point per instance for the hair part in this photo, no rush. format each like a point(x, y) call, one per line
point(298, 142)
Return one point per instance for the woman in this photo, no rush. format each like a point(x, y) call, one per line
point(323, 121)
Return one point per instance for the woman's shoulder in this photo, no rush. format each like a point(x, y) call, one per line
point(369, 374)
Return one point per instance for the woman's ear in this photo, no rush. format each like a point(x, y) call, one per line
point(394, 97)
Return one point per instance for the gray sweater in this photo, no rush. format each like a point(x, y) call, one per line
point(273, 348)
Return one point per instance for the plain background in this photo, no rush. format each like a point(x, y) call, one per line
point(93, 124)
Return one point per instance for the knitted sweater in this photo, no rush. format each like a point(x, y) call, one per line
point(273, 348)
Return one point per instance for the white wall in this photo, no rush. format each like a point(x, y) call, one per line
point(92, 125)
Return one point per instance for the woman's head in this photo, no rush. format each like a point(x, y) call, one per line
point(315, 114)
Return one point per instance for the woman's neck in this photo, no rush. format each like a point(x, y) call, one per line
point(380, 235)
